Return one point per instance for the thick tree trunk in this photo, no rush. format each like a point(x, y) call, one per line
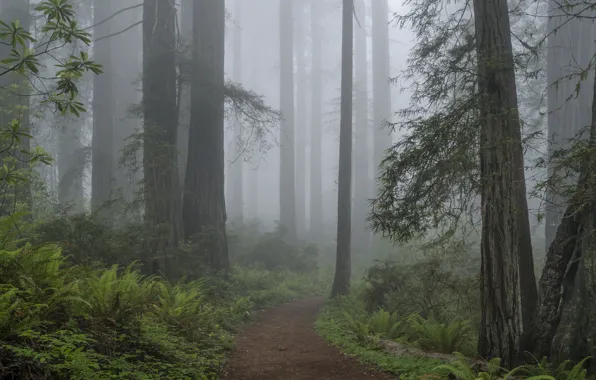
point(287, 199)
point(102, 160)
point(236, 182)
point(204, 211)
point(360, 235)
point(343, 265)
point(316, 177)
point(508, 288)
point(162, 193)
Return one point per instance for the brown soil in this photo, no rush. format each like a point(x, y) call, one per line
point(282, 345)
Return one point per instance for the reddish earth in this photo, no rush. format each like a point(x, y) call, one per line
point(282, 345)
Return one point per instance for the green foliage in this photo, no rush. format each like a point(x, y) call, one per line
point(445, 338)
point(461, 368)
point(24, 57)
point(441, 287)
point(369, 328)
point(59, 321)
point(333, 325)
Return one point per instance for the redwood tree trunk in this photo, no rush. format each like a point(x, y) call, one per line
point(102, 156)
point(162, 193)
point(287, 200)
point(316, 176)
point(361, 237)
point(204, 211)
point(508, 288)
point(343, 265)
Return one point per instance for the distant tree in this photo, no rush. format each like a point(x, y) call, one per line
point(103, 155)
point(316, 177)
point(360, 235)
point(287, 199)
point(343, 265)
point(235, 184)
point(381, 85)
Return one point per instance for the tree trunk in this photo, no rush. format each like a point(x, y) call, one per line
point(287, 199)
point(162, 193)
point(301, 120)
point(186, 29)
point(102, 160)
point(341, 282)
point(316, 177)
point(204, 211)
point(508, 290)
point(566, 299)
point(381, 89)
point(361, 237)
point(235, 184)
point(71, 164)
point(125, 92)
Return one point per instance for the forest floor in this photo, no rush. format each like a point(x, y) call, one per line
point(282, 345)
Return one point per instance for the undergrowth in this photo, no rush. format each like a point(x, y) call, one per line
point(59, 321)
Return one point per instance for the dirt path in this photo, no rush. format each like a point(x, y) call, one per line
point(282, 345)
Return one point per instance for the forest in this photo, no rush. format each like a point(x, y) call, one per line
point(297, 189)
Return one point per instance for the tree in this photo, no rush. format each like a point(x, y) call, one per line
point(236, 183)
point(161, 186)
point(204, 209)
point(287, 198)
point(102, 160)
point(361, 237)
point(316, 177)
point(341, 281)
point(301, 117)
point(380, 77)
point(125, 90)
point(508, 290)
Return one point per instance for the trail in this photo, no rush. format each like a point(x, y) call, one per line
point(282, 345)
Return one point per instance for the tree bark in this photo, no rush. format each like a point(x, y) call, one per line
point(287, 198)
point(343, 265)
point(508, 288)
point(162, 192)
point(204, 211)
